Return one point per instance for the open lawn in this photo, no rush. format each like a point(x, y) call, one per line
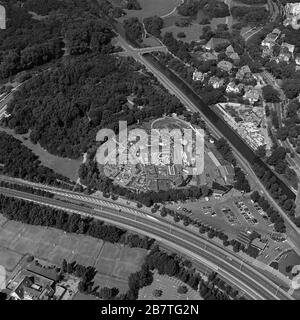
point(290, 258)
point(150, 8)
point(169, 288)
point(66, 167)
point(9, 259)
point(118, 261)
point(114, 263)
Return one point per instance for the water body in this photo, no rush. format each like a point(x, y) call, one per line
point(66, 167)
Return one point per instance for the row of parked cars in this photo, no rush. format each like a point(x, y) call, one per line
point(245, 211)
point(230, 216)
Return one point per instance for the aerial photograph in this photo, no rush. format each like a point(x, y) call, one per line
point(149, 153)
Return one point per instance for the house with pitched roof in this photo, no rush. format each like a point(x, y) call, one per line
point(230, 53)
point(225, 65)
point(214, 43)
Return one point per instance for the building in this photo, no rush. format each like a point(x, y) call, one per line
point(225, 65)
point(289, 47)
point(233, 88)
point(297, 60)
point(216, 82)
point(209, 56)
point(271, 38)
point(242, 72)
point(292, 12)
point(251, 94)
point(292, 9)
point(284, 55)
point(33, 287)
point(2, 18)
point(198, 76)
point(214, 43)
point(230, 53)
point(259, 244)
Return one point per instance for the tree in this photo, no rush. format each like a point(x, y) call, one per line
point(64, 266)
point(270, 94)
point(261, 151)
point(288, 268)
point(182, 289)
point(157, 293)
point(181, 35)
point(133, 28)
point(154, 25)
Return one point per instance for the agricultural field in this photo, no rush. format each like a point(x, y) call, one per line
point(114, 263)
point(169, 288)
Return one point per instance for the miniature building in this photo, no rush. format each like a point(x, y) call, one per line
point(225, 65)
point(232, 54)
point(198, 76)
point(242, 72)
point(216, 82)
point(213, 43)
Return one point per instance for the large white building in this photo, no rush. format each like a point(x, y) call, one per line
point(292, 11)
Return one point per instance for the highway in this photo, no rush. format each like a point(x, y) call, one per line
point(237, 272)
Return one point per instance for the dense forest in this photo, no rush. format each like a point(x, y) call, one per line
point(20, 162)
point(35, 214)
point(30, 41)
point(65, 107)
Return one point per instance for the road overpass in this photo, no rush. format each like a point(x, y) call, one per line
point(256, 284)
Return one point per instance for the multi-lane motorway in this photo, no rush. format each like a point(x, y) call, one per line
point(255, 283)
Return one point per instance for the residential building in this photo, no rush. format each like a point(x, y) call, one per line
point(213, 43)
point(198, 76)
point(33, 287)
point(208, 56)
point(2, 17)
point(225, 65)
point(271, 38)
point(216, 82)
point(284, 55)
point(289, 47)
point(297, 60)
point(242, 72)
point(251, 94)
point(259, 244)
point(233, 88)
point(292, 12)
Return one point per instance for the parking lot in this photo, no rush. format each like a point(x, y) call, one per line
point(232, 214)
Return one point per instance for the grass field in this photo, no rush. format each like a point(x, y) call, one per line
point(169, 287)
point(114, 263)
point(169, 123)
point(9, 259)
point(119, 262)
point(66, 167)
